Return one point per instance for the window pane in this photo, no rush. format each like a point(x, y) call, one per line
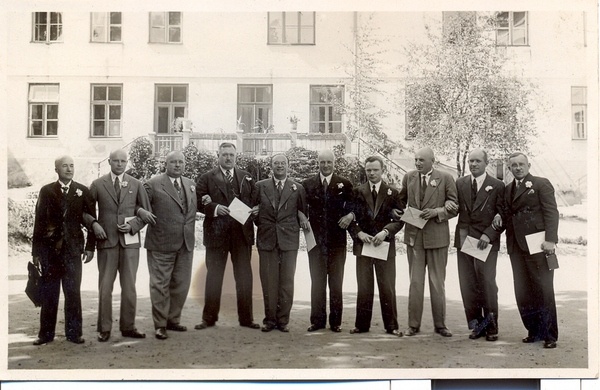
point(98, 34)
point(115, 18)
point(519, 37)
point(157, 19)
point(291, 34)
point(41, 17)
point(502, 19)
point(163, 120)
point(37, 111)
point(40, 33)
point(115, 34)
point(52, 111)
point(502, 37)
point(174, 34)
point(307, 18)
point(55, 17)
point(114, 93)
point(52, 128)
point(163, 94)
point(519, 19)
point(179, 94)
point(263, 95)
point(578, 95)
point(36, 128)
point(55, 32)
point(307, 35)
point(99, 111)
point(98, 18)
point(337, 127)
point(275, 27)
point(100, 93)
point(157, 35)
point(114, 129)
point(98, 128)
point(174, 18)
point(114, 112)
point(179, 112)
point(247, 115)
point(246, 94)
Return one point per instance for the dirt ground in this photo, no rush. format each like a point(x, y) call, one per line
point(228, 351)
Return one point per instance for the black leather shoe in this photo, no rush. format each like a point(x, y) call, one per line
point(204, 325)
point(251, 325)
point(313, 328)
point(529, 339)
point(41, 341)
point(357, 330)
point(491, 337)
point(176, 327)
point(445, 332)
point(411, 331)
point(161, 333)
point(475, 334)
point(395, 332)
point(336, 329)
point(134, 334)
point(549, 344)
point(267, 328)
point(76, 340)
point(283, 328)
point(103, 336)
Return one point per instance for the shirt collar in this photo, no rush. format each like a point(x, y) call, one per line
point(112, 177)
point(68, 185)
point(326, 177)
point(479, 180)
point(277, 181)
point(225, 171)
point(173, 179)
point(377, 186)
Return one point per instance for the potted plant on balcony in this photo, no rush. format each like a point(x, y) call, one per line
point(180, 124)
point(294, 122)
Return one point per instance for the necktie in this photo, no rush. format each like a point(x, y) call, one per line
point(374, 195)
point(278, 195)
point(178, 189)
point(117, 187)
point(473, 191)
point(325, 187)
point(228, 176)
point(65, 189)
point(423, 187)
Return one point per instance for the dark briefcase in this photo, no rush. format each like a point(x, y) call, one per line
point(552, 261)
point(34, 284)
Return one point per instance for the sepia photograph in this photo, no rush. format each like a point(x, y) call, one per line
point(300, 191)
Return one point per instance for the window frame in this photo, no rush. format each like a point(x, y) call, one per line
point(256, 107)
point(45, 103)
point(330, 105)
point(167, 27)
point(107, 103)
point(172, 106)
point(35, 31)
point(107, 28)
point(283, 41)
point(579, 128)
point(511, 28)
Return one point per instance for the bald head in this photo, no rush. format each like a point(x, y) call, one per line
point(326, 160)
point(478, 162)
point(424, 159)
point(175, 164)
point(118, 161)
point(65, 168)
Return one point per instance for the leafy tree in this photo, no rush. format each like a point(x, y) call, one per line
point(458, 96)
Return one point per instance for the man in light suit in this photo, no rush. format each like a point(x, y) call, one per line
point(428, 189)
point(120, 198)
point(225, 236)
point(329, 198)
point(480, 201)
point(170, 243)
point(281, 214)
point(58, 247)
point(373, 205)
point(531, 208)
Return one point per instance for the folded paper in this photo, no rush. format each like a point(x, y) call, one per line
point(470, 248)
point(411, 216)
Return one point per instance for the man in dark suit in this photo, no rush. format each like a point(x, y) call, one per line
point(170, 243)
point(58, 246)
point(429, 190)
point(480, 200)
point(329, 199)
point(225, 236)
point(120, 198)
point(281, 213)
point(373, 205)
point(531, 208)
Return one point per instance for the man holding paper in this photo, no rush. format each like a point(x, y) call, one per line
point(480, 200)
point(329, 199)
point(428, 190)
point(123, 210)
point(226, 232)
point(531, 209)
point(373, 234)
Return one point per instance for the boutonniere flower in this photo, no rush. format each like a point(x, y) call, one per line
point(123, 184)
point(192, 188)
point(340, 185)
point(78, 192)
point(433, 183)
point(528, 184)
point(248, 178)
point(488, 188)
point(389, 191)
point(294, 187)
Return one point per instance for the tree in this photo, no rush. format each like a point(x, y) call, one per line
point(459, 97)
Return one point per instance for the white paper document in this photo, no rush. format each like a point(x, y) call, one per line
point(535, 241)
point(129, 238)
point(411, 216)
point(379, 252)
point(309, 237)
point(469, 247)
point(239, 211)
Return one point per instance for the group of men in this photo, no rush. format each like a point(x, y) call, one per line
point(327, 206)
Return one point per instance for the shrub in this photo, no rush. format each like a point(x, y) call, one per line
point(198, 161)
point(21, 216)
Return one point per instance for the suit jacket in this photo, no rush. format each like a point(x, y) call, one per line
point(441, 187)
point(477, 218)
point(175, 221)
point(326, 209)
point(529, 210)
point(279, 227)
point(373, 218)
point(113, 211)
point(219, 230)
point(58, 229)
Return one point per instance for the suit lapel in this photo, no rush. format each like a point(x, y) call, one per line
point(187, 189)
point(431, 189)
point(220, 180)
point(170, 189)
point(366, 191)
point(285, 193)
point(465, 189)
point(380, 198)
point(270, 192)
point(110, 189)
point(482, 194)
point(413, 190)
point(521, 188)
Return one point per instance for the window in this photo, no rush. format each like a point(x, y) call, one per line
point(106, 27)
point(255, 108)
point(579, 112)
point(512, 29)
point(107, 107)
point(324, 117)
point(43, 110)
point(47, 27)
point(165, 27)
point(291, 28)
point(171, 103)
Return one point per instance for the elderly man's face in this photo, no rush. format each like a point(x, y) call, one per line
point(175, 164)
point(65, 168)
